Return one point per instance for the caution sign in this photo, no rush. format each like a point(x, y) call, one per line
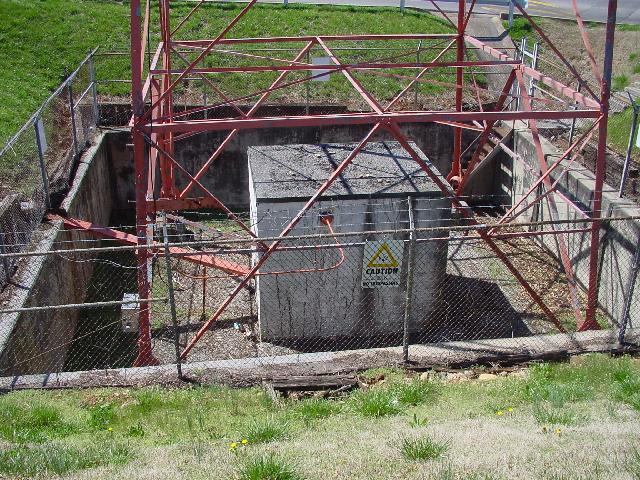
point(382, 263)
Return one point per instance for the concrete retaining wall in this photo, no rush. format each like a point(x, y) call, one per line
point(229, 177)
point(619, 239)
point(37, 341)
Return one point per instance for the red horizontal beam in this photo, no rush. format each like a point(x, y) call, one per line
point(349, 66)
point(559, 87)
point(362, 119)
point(174, 204)
point(308, 38)
point(128, 239)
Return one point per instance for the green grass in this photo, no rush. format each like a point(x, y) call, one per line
point(264, 431)
point(424, 448)
point(620, 82)
point(619, 129)
point(56, 459)
point(315, 409)
point(521, 28)
point(33, 61)
point(188, 429)
point(376, 402)
point(546, 414)
point(268, 467)
point(32, 423)
point(626, 27)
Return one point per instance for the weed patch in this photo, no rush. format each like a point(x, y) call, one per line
point(546, 414)
point(376, 402)
point(60, 459)
point(102, 416)
point(32, 423)
point(415, 392)
point(268, 467)
point(266, 431)
point(315, 409)
point(422, 449)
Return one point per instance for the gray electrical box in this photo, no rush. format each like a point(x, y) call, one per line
point(343, 303)
point(129, 313)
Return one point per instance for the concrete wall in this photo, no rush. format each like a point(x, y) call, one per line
point(229, 178)
point(38, 341)
point(332, 304)
point(619, 239)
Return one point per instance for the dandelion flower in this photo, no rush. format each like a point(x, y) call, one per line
point(499, 413)
point(510, 409)
point(110, 429)
point(558, 431)
point(233, 445)
point(245, 441)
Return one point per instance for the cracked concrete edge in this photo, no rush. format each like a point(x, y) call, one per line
point(251, 371)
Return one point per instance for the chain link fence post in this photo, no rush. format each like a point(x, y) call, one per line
point(41, 142)
point(72, 114)
point(5, 261)
point(409, 293)
point(625, 319)
point(172, 300)
point(94, 90)
point(417, 84)
point(575, 106)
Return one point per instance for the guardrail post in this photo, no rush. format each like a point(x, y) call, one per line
point(409, 293)
point(43, 168)
point(172, 300)
point(73, 118)
point(402, 6)
point(94, 90)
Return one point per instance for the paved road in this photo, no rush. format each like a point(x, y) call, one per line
point(591, 10)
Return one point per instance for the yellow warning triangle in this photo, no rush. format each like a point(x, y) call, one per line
point(388, 261)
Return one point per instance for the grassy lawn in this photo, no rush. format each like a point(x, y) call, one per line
point(42, 40)
point(619, 131)
point(573, 420)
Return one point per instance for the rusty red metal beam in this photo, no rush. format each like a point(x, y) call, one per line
point(212, 125)
point(192, 256)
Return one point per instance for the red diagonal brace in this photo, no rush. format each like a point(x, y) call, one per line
point(544, 167)
point(129, 239)
point(468, 214)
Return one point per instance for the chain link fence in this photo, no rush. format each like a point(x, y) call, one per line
point(36, 164)
point(421, 287)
